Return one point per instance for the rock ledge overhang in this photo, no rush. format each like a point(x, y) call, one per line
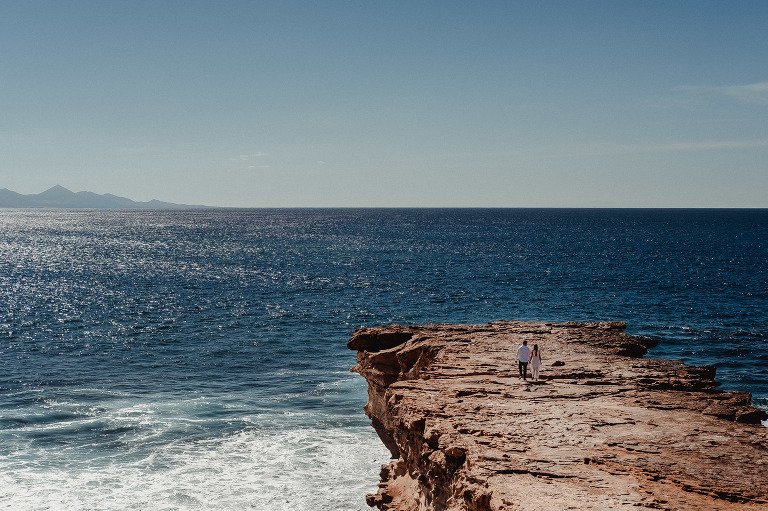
point(604, 429)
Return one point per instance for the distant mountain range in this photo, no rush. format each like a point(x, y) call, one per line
point(60, 197)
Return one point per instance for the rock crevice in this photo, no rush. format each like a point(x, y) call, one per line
point(603, 429)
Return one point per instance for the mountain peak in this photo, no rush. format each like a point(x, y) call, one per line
point(58, 189)
point(55, 192)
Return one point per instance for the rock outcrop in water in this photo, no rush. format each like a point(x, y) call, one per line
point(605, 429)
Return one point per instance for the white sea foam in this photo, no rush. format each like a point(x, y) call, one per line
point(301, 468)
point(191, 453)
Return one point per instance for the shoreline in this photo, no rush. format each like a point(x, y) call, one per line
point(604, 428)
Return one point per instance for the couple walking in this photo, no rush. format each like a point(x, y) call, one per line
point(524, 357)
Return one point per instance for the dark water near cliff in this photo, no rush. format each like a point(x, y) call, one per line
point(197, 360)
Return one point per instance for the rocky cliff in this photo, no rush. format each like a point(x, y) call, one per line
point(604, 428)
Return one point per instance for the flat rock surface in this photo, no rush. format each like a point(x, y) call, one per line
point(603, 429)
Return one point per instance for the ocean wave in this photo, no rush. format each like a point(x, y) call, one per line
point(296, 468)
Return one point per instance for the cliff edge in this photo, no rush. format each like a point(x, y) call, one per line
point(604, 428)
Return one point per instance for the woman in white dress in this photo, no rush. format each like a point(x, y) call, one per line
point(535, 362)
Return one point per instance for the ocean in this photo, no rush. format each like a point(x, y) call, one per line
point(184, 360)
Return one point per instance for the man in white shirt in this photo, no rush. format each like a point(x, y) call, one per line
point(522, 357)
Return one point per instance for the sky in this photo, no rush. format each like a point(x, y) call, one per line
point(326, 103)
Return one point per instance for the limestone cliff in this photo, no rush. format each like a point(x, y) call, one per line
point(604, 428)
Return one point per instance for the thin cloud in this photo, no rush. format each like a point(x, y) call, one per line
point(703, 146)
point(694, 146)
point(249, 161)
point(689, 146)
point(753, 94)
point(247, 157)
point(616, 149)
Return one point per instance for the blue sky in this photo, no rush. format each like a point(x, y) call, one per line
point(401, 103)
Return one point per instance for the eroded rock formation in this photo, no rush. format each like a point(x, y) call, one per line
point(604, 429)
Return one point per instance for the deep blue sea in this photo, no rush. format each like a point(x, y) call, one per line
point(180, 360)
